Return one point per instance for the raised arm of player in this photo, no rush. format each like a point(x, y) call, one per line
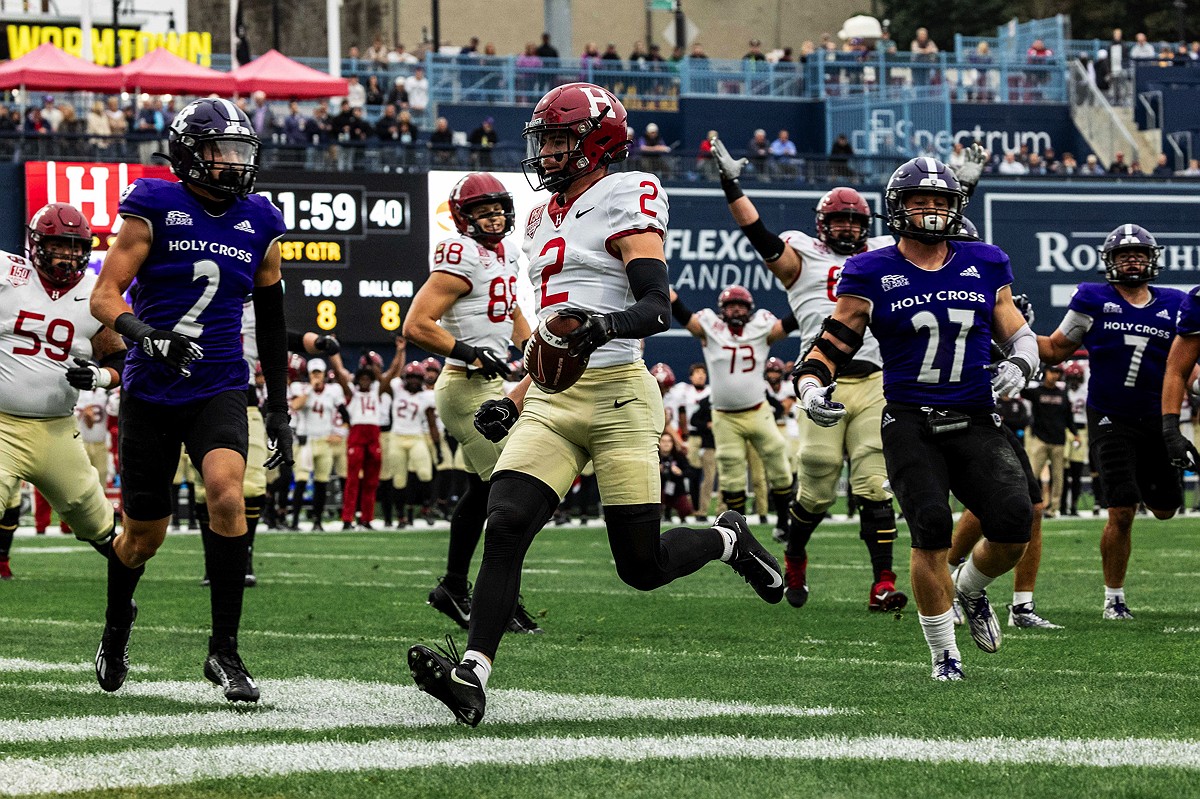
point(394, 368)
point(779, 332)
point(686, 318)
point(783, 261)
point(339, 373)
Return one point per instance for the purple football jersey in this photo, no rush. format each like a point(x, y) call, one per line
point(934, 327)
point(194, 281)
point(1127, 347)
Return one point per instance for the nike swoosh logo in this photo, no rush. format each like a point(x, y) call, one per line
point(454, 676)
point(581, 213)
point(882, 596)
point(778, 581)
point(81, 299)
point(618, 404)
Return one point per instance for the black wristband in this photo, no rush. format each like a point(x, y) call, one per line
point(790, 323)
point(680, 311)
point(1170, 421)
point(131, 327)
point(463, 352)
point(521, 346)
point(732, 189)
point(768, 245)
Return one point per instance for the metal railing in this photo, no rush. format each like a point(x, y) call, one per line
point(1085, 96)
point(1181, 143)
point(1152, 101)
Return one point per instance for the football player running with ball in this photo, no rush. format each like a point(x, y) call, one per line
point(1127, 327)
point(595, 254)
point(736, 339)
point(197, 248)
point(467, 311)
point(934, 305)
point(47, 342)
point(809, 269)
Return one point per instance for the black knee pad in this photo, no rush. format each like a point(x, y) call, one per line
point(473, 504)
point(518, 506)
point(637, 568)
point(735, 500)
point(877, 521)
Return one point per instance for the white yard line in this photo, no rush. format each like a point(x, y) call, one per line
point(180, 765)
point(8, 665)
point(311, 704)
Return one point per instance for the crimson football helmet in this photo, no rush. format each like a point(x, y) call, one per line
point(732, 298)
point(414, 369)
point(431, 363)
point(476, 188)
point(663, 374)
point(296, 366)
point(774, 365)
point(594, 123)
point(66, 228)
point(843, 201)
point(1074, 372)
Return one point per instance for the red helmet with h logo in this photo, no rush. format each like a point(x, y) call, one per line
point(594, 123)
point(664, 374)
point(846, 202)
point(733, 296)
point(65, 226)
point(474, 189)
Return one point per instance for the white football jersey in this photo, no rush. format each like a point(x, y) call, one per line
point(571, 257)
point(811, 294)
point(297, 420)
point(672, 400)
point(1078, 399)
point(363, 406)
point(483, 316)
point(735, 362)
point(786, 391)
point(408, 410)
point(97, 399)
point(690, 397)
point(41, 331)
point(320, 409)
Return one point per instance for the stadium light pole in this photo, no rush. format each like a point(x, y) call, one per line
point(1181, 7)
point(436, 12)
point(333, 33)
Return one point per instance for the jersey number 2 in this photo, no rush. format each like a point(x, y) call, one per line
point(925, 320)
point(559, 245)
point(187, 324)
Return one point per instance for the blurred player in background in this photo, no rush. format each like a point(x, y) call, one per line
point(1075, 453)
point(318, 403)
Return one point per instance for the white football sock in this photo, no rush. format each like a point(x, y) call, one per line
point(730, 538)
point(1022, 597)
point(1113, 593)
point(971, 581)
point(939, 634)
point(483, 666)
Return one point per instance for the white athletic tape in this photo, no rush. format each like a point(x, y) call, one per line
point(181, 765)
point(310, 704)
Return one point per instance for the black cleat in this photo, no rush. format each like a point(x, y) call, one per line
point(443, 678)
point(225, 668)
point(522, 622)
point(204, 581)
point(751, 559)
point(112, 658)
point(251, 578)
point(456, 606)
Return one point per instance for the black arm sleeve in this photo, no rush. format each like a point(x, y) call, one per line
point(790, 323)
point(681, 312)
point(769, 246)
point(652, 312)
point(270, 331)
point(295, 341)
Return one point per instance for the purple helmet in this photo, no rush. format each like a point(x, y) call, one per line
point(925, 176)
point(1130, 237)
point(968, 228)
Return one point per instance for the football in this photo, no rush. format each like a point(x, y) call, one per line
point(546, 358)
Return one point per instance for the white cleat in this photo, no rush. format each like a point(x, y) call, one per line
point(947, 668)
point(1114, 608)
point(981, 619)
point(1023, 615)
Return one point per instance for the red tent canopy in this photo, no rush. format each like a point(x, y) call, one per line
point(280, 77)
point(47, 68)
point(160, 71)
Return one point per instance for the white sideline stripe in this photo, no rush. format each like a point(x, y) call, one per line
point(20, 664)
point(1172, 630)
point(97, 626)
point(189, 764)
point(62, 550)
point(312, 704)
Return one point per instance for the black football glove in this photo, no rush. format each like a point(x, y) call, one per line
point(490, 364)
point(495, 418)
point(594, 331)
point(1182, 453)
point(279, 439)
point(1025, 306)
point(85, 376)
point(328, 345)
point(171, 349)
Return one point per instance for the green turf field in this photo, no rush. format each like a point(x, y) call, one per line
point(698, 689)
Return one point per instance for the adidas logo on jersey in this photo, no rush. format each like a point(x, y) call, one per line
point(890, 282)
point(1111, 307)
point(244, 226)
point(970, 271)
point(179, 218)
point(887, 419)
point(1104, 420)
point(1163, 314)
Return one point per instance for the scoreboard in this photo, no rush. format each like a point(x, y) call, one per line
point(354, 254)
